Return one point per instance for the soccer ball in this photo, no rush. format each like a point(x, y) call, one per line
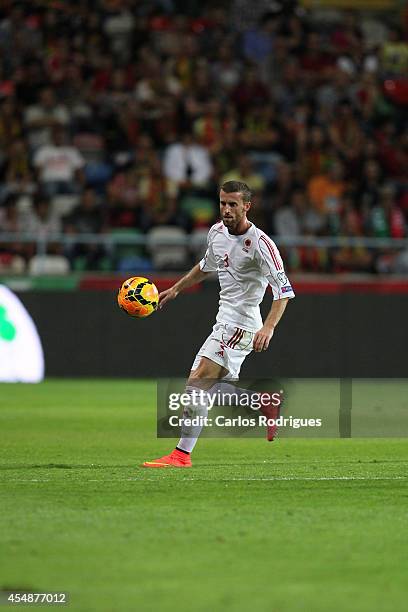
point(138, 297)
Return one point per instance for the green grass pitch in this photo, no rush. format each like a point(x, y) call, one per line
point(297, 525)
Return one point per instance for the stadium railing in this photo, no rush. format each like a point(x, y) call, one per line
point(111, 240)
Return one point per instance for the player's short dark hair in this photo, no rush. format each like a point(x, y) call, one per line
point(238, 186)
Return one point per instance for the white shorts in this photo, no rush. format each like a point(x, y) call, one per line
point(228, 346)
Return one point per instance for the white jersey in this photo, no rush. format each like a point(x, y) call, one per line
point(246, 264)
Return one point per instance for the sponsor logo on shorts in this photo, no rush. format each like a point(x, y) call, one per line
point(220, 353)
point(286, 289)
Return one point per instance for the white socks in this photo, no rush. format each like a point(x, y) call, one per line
point(190, 433)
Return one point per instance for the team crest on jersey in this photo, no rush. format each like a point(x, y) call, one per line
point(247, 244)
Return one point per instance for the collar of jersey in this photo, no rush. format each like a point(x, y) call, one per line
point(237, 236)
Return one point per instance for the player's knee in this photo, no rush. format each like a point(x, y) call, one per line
point(207, 371)
point(199, 374)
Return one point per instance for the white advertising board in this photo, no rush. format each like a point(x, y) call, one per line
point(21, 354)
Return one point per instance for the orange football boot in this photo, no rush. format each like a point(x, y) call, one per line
point(176, 459)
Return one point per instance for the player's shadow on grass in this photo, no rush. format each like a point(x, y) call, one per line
point(62, 466)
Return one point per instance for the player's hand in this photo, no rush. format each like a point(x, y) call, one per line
point(167, 295)
point(262, 339)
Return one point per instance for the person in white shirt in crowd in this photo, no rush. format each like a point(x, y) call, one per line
point(188, 164)
point(59, 166)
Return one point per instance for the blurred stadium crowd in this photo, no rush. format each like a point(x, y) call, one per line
point(121, 116)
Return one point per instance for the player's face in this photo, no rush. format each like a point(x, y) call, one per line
point(233, 209)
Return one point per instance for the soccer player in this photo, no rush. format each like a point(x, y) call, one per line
point(246, 260)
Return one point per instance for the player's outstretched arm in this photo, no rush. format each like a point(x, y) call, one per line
point(264, 335)
point(194, 276)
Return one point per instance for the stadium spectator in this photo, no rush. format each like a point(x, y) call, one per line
point(87, 218)
point(42, 117)
point(251, 91)
point(356, 257)
point(10, 220)
point(313, 151)
point(40, 220)
point(224, 158)
point(10, 122)
point(245, 173)
point(59, 165)
point(17, 169)
point(345, 133)
point(386, 219)
point(154, 187)
point(187, 163)
point(315, 60)
point(288, 87)
point(260, 131)
point(297, 217)
point(123, 213)
point(369, 185)
point(257, 43)
point(283, 184)
point(208, 128)
point(124, 188)
point(226, 69)
point(325, 190)
point(118, 25)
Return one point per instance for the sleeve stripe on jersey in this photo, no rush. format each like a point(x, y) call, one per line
point(272, 252)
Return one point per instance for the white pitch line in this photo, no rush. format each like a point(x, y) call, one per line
point(266, 479)
point(278, 478)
